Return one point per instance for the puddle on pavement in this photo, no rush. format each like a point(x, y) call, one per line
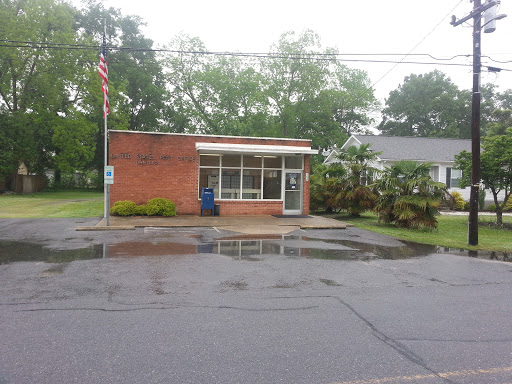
point(11, 251)
point(239, 248)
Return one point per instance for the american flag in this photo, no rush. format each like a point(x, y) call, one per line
point(103, 72)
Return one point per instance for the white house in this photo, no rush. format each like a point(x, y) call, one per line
point(440, 152)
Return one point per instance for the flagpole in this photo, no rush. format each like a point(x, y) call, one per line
point(106, 187)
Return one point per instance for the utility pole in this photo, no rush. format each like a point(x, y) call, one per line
point(476, 14)
point(475, 127)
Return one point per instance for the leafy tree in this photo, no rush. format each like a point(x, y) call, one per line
point(428, 105)
point(316, 99)
point(293, 80)
point(409, 197)
point(215, 95)
point(499, 122)
point(291, 95)
point(495, 168)
point(137, 87)
point(39, 85)
point(353, 99)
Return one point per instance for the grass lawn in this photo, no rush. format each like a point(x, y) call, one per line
point(452, 232)
point(52, 204)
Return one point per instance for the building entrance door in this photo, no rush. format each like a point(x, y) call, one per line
point(293, 193)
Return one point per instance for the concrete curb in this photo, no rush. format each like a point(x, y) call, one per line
point(110, 228)
point(344, 226)
point(245, 224)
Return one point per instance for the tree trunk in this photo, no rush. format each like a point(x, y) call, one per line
point(499, 208)
point(499, 216)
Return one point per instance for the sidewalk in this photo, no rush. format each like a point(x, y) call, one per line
point(243, 224)
point(465, 213)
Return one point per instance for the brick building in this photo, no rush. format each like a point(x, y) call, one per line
point(250, 176)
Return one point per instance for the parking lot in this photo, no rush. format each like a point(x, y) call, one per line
point(211, 305)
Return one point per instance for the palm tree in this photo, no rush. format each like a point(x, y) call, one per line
point(409, 197)
point(324, 179)
point(355, 195)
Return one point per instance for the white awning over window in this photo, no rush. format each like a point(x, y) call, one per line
point(254, 149)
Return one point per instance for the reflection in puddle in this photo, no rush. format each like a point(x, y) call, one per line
point(240, 248)
point(11, 251)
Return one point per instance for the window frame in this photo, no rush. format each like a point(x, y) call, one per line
point(241, 169)
point(450, 178)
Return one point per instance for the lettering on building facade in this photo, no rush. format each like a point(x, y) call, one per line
point(150, 159)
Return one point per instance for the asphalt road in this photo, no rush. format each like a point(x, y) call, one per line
point(207, 306)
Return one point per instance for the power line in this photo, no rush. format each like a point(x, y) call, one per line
point(421, 41)
point(47, 45)
point(339, 57)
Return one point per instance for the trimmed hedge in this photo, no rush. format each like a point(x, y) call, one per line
point(160, 207)
point(124, 208)
point(154, 207)
point(141, 210)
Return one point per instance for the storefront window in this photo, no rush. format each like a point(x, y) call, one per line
point(293, 162)
point(252, 161)
point(209, 160)
point(231, 160)
point(251, 186)
point(272, 161)
point(251, 177)
point(272, 184)
point(209, 178)
point(230, 184)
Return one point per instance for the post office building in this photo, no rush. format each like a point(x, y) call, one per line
point(248, 175)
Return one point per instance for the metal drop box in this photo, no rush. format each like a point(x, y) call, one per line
point(207, 200)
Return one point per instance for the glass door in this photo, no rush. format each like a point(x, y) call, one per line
point(293, 193)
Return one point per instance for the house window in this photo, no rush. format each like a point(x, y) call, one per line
point(235, 177)
point(453, 177)
point(434, 173)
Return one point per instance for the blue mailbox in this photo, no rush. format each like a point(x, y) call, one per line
point(207, 200)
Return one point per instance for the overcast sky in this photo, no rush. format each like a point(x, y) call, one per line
point(356, 26)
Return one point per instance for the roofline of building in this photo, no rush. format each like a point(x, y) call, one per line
point(412, 137)
point(200, 135)
point(418, 160)
point(254, 148)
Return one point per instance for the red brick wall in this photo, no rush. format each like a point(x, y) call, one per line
point(163, 165)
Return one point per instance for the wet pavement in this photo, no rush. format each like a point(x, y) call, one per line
point(263, 224)
point(211, 305)
point(171, 241)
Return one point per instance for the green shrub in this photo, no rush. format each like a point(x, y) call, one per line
point(459, 202)
point(481, 198)
point(508, 205)
point(123, 208)
point(141, 210)
point(467, 205)
point(491, 207)
point(160, 207)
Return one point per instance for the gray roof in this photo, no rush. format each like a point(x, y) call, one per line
point(415, 148)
